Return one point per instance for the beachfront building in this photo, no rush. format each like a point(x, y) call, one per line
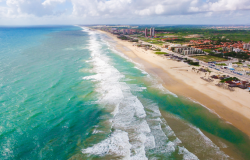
point(185, 50)
point(179, 49)
point(166, 45)
point(190, 51)
point(173, 46)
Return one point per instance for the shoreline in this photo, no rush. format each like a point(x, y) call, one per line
point(178, 78)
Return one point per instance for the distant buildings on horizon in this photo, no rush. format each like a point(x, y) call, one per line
point(191, 47)
point(128, 31)
point(152, 32)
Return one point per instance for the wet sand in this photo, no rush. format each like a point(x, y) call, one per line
point(178, 77)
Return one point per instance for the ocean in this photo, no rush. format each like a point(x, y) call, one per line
point(67, 93)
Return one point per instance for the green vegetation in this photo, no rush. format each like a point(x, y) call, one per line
point(192, 62)
point(155, 41)
point(134, 40)
point(221, 64)
point(237, 63)
point(209, 58)
point(208, 70)
point(123, 38)
point(158, 49)
point(208, 50)
point(161, 53)
point(240, 55)
point(178, 40)
point(229, 79)
point(182, 31)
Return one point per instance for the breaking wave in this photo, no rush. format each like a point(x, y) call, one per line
point(137, 131)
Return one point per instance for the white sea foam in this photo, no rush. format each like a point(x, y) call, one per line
point(127, 109)
point(134, 87)
point(117, 144)
point(200, 142)
point(96, 131)
point(135, 130)
point(186, 154)
point(140, 67)
point(163, 89)
point(142, 71)
point(214, 148)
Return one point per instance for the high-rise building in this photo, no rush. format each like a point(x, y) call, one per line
point(246, 46)
point(146, 32)
point(224, 49)
point(231, 49)
point(153, 32)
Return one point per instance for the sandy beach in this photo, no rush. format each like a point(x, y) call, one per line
point(178, 77)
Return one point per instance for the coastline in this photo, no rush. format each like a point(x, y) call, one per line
point(179, 78)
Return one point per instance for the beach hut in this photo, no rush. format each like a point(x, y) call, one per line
point(230, 82)
point(233, 85)
point(215, 77)
point(242, 87)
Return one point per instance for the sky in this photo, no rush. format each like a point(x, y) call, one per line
point(64, 12)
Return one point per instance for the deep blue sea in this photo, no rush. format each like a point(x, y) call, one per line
point(67, 93)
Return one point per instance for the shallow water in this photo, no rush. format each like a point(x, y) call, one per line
point(66, 93)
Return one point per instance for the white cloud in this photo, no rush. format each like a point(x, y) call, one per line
point(118, 10)
point(159, 9)
point(21, 8)
point(52, 2)
point(222, 5)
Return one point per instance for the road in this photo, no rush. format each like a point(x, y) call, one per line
point(225, 71)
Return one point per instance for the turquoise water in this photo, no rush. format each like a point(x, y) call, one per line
point(66, 93)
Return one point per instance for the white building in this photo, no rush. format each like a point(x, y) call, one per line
point(153, 32)
point(237, 50)
point(246, 46)
point(178, 50)
point(190, 50)
point(173, 46)
point(150, 32)
point(185, 50)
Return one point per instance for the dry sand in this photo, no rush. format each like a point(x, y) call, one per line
point(179, 78)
